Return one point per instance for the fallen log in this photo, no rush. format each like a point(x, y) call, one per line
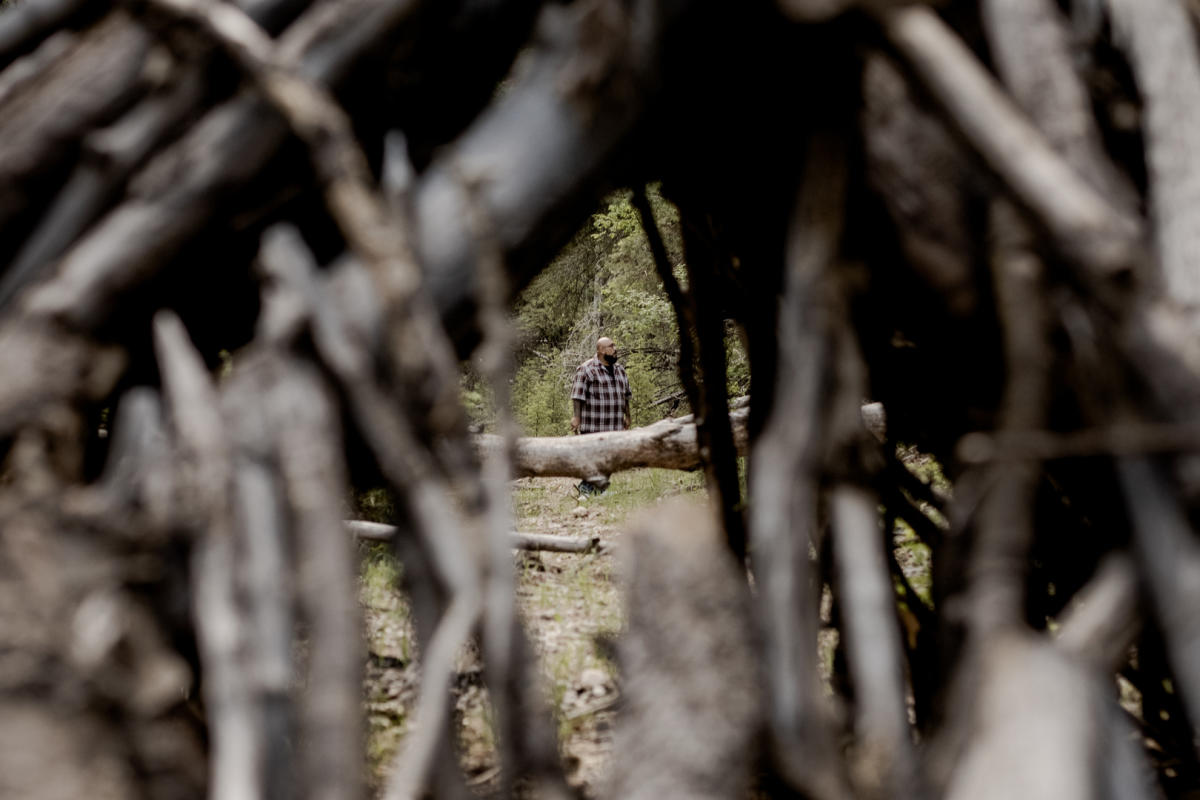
point(667, 444)
point(379, 532)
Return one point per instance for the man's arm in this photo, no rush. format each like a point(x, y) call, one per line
point(578, 398)
point(628, 394)
point(578, 404)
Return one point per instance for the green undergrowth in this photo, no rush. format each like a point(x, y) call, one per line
point(627, 492)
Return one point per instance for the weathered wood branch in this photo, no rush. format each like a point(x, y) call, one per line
point(1085, 227)
point(380, 532)
point(784, 491)
point(1159, 41)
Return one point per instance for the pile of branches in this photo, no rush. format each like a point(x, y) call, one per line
point(984, 215)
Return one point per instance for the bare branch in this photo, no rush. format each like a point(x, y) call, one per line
point(1159, 40)
point(1169, 560)
point(1103, 619)
point(885, 765)
point(1086, 229)
point(783, 484)
point(379, 532)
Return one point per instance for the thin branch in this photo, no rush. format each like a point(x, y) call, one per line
point(500, 624)
point(196, 422)
point(1169, 560)
point(379, 532)
point(783, 486)
point(311, 460)
point(1125, 439)
point(1030, 44)
point(22, 27)
point(884, 758)
point(710, 401)
point(1086, 229)
point(1160, 45)
point(1103, 620)
point(410, 468)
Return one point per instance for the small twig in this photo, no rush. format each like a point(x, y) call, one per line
point(673, 396)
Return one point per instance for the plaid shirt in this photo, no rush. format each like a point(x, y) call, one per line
point(604, 396)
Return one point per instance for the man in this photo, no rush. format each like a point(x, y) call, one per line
point(600, 395)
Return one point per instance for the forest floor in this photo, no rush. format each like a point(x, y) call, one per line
point(568, 602)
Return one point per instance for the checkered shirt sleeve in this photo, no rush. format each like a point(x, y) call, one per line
point(604, 396)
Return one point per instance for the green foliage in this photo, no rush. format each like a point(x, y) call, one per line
point(374, 505)
point(603, 283)
point(541, 399)
point(477, 398)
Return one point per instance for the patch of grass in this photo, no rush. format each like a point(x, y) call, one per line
point(380, 574)
point(641, 488)
point(530, 499)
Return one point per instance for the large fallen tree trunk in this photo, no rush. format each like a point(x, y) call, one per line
point(666, 444)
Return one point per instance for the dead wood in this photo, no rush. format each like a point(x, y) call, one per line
point(667, 444)
point(1085, 227)
point(980, 215)
point(1159, 42)
point(784, 490)
point(380, 532)
point(681, 733)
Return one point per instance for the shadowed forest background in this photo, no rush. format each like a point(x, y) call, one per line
point(291, 294)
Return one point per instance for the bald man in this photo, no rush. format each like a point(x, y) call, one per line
point(600, 396)
point(601, 393)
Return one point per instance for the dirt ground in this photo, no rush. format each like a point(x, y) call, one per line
point(568, 602)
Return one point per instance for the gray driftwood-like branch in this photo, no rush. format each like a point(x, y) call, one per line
point(380, 532)
point(1083, 223)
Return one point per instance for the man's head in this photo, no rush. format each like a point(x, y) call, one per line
point(606, 351)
